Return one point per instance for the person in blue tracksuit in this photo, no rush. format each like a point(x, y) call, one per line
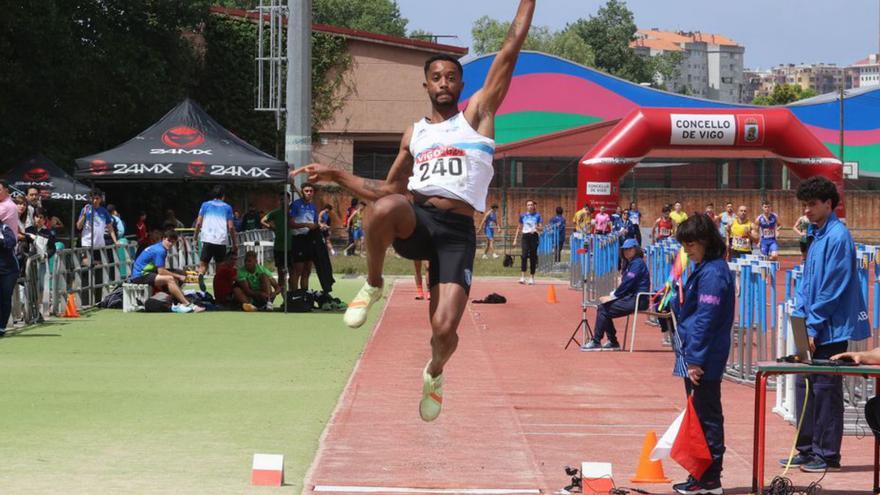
point(831, 301)
point(704, 319)
point(635, 279)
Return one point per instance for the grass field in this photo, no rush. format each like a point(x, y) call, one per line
point(166, 403)
point(399, 266)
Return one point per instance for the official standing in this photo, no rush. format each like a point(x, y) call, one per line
point(831, 301)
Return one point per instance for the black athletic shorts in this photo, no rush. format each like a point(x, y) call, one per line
point(447, 240)
point(216, 252)
point(301, 249)
point(146, 279)
point(279, 258)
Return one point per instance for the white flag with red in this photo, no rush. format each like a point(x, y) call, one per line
point(685, 442)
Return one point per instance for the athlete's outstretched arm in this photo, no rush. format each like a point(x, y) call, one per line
point(489, 98)
point(366, 189)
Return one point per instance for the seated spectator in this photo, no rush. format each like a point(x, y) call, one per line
point(149, 268)
point(254, 286)
point(224, 281)
point(635, 279)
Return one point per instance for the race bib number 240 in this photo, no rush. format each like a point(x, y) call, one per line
point(447, 170)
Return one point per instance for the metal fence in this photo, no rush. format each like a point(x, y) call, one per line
point(593, 262)
point(89, 274)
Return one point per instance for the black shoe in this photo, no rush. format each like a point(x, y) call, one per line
point(2, 333)
point(694, 487)
point(202, 286)
point(798, 460)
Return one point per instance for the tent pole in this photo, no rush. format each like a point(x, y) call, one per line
point(73, 215)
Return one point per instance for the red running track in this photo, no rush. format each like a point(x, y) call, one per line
point(518, 408)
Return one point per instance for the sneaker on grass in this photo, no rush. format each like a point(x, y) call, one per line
point(356, 314)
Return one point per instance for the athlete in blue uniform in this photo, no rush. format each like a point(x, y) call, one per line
point(530, 224)
point(768, 224)
point(490, 221)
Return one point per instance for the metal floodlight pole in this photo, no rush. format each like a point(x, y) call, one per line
point(298, 132)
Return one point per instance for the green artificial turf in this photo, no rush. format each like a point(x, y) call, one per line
point(170, 403)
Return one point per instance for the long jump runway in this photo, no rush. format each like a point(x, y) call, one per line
point(518, 408)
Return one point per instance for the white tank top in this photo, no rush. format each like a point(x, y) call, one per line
point(451, 160)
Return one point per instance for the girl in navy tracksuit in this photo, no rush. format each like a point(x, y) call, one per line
point(8, 274)
point(704, 320)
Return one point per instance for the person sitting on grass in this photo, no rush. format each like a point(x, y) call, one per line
point(255, 287)
point(149, 269)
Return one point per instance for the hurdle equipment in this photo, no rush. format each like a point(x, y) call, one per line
point(134, 296)
point(596, 477)
point(268, 470)
point(649, 471)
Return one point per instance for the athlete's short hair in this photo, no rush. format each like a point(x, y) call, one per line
point(445, 58)
point(700, 228)
point(170, 234)
point(217, 192)
point(820, 188)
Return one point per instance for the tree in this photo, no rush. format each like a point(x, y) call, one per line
point(784, 94)
point(666, 68)
point(378, 16)
point(489, 34)
point(80, 76)
point(609, 33)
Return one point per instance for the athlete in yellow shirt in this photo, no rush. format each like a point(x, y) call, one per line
point(582, 220)
point(742, 233)
point(677, 215)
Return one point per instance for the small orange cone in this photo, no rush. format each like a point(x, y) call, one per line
point(71, 311)
point(551, 294)
point(649, 471)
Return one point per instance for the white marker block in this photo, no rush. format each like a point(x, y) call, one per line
point(268, 470)
point(596, 477)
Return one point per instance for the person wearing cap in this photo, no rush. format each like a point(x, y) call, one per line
point(634, 279)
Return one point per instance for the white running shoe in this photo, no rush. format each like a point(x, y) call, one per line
point(432, 395)
point(356, 314)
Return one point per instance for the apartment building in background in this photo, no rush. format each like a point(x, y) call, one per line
point(866, 72)
point(711, 65)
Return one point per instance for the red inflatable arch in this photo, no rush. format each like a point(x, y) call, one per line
point(775, 130)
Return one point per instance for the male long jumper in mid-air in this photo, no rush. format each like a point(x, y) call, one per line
point(425, 207)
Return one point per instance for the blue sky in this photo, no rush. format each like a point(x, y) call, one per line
point(773, 31)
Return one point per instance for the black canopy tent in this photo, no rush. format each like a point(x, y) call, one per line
point(186, 144)
point(54, 183)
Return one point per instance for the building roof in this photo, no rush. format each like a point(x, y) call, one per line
point(367, 36)
point(674, 40)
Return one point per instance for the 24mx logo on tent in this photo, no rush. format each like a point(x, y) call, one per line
point(142, 168)
point(238, 171)
point(183, 137)
point(37, 175)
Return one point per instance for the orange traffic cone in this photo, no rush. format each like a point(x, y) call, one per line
point(71, 311)
point(551, 294)
point(649, 471)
